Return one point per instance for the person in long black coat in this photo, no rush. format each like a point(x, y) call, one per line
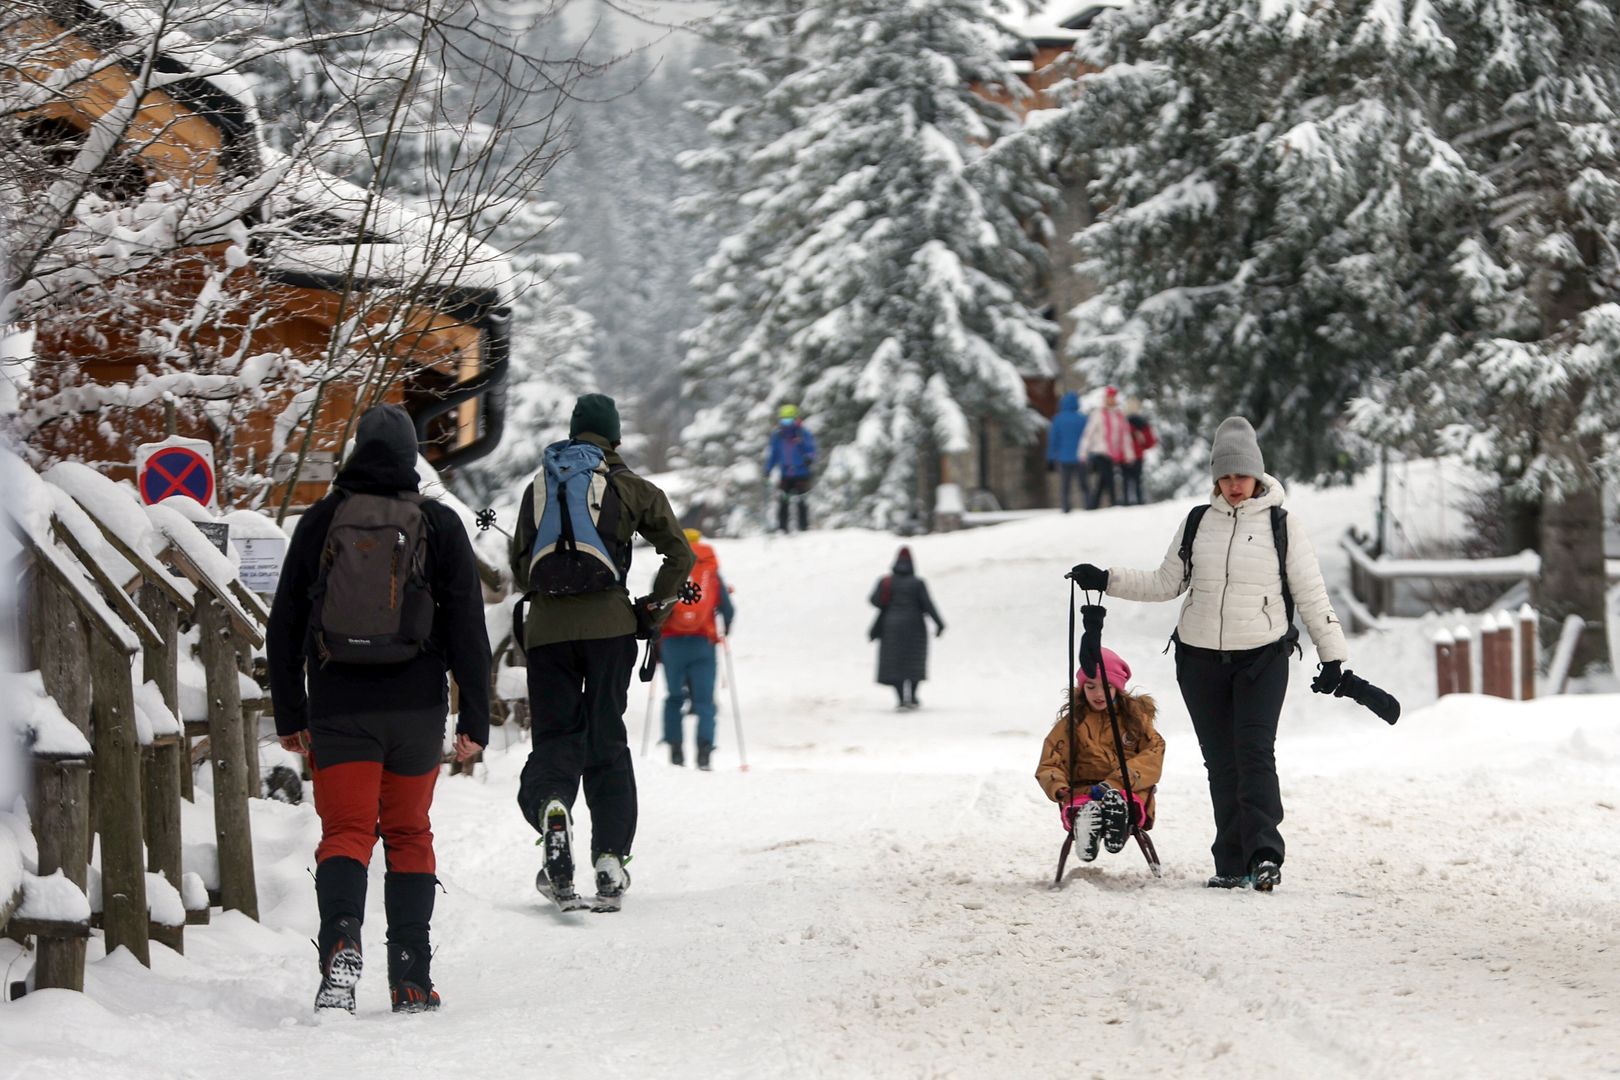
point(902, 601)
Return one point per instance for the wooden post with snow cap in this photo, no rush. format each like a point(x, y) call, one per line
point(1445, 663)
point(1496, 645)
point(1463, 658)
point(1529, 652)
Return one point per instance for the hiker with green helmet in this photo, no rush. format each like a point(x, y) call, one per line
point(793, 451)
point(571, 550)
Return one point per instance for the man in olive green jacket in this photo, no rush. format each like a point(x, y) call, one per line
point(581, 650)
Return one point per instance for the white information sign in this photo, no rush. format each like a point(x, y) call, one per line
point(261, 561)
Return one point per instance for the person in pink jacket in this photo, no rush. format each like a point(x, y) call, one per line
point(1106, 448)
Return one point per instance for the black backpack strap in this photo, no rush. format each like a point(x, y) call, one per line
point(1279, 539)
point(1188, 533)
point(607, 523)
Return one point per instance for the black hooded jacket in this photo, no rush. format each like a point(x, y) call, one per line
point(383, 463)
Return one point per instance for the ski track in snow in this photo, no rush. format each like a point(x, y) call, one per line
point(873, 898)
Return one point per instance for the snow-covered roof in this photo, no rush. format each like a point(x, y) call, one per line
point(1059, 21)
point(332, 229)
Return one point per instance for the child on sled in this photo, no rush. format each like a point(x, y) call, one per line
point(1079, 767)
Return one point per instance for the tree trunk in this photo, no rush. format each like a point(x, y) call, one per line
point(232, 831)
point(116, 781)
point(1572, 573)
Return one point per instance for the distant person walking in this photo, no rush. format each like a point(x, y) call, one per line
point(1063, 448)
point(1143, 438)
point(572, 548)
point(378, 601)
point(793, 452)
point(687, 651)
point(1107, 447)
point(902, 601)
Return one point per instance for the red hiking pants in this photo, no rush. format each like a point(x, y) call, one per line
point(358, 801)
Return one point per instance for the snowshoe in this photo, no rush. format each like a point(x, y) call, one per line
point(340, 969)
point(1116, 821)
point(1085, 822)
point(1267, 875)
point(555, 881)
point(612, 880)
point(409, 984)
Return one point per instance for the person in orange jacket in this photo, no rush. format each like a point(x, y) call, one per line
point(687, 653)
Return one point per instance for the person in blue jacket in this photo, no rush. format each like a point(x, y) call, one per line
point(793, 451)
point(1063, 447)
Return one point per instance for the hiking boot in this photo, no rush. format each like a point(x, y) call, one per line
point(340, 967)
point(556, 878)
point(1267, 874)
point(1228, 881)
point(1116, 821)
point(704, 752)
point(1085, 822)
point(409, 984)
point(677, 756)
point(612, 880)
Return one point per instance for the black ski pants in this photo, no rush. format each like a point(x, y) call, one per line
point(793, 489)
point(578, 691)
point(1101, 468)
point(1234, 699)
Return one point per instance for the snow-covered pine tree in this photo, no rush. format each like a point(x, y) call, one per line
point(1528, 385)
point(1276, 211)
point(550, 364)
point(882, 295)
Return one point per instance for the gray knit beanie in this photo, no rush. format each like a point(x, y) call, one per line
point(1236, 451)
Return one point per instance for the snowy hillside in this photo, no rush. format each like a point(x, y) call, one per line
point(871, 898)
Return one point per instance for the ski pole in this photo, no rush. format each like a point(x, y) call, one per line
point(736, 707)
point(646, 723)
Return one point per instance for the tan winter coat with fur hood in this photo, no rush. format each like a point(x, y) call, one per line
point(1235, 599)
point(1096, 760)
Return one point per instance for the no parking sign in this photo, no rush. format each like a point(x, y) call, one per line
point(175, 466)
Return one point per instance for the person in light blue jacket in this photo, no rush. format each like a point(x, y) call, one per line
point(1063, 447)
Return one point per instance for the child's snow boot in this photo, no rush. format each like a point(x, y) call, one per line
point(704, 752)
point(1116, 821)
point(612, 879)
point(556, 878)
point(1085, 822)
point(340, 965)
point(677, 756)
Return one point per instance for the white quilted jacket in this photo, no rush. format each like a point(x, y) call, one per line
point(1235, 599)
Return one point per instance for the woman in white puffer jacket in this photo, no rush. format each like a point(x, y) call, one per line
point(1232, 646)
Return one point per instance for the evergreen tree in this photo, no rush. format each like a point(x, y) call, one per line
point(871, 281)
point(1277, 211)
point(1528, 384)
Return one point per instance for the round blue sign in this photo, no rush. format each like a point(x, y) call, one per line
point(177, 471)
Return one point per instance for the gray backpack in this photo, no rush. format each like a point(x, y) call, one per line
point(372, 600)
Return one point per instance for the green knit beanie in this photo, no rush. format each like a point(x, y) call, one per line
point(597, 414)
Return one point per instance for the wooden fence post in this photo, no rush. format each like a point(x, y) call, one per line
point(1463, 658)
point(61, 648)
point(116, 781)
point(1529, 652)
point(1445, 661)
point(1498, 655)
point(251, 710)
point(232, 828)
point(164, 761)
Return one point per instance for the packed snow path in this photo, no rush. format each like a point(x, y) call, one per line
point(872, 898)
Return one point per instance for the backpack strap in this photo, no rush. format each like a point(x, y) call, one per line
point(1279, 540)
point(1188, 534)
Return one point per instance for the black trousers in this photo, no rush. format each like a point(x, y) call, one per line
point(1131, 483)
point(791, 488)
point(578, 691)
point(1234, 700)
point(1101, 468)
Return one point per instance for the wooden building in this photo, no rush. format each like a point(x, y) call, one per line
point(335, 291)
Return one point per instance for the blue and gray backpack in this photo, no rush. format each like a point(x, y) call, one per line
point(576, 549)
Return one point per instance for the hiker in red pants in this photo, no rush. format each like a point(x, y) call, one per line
point(378, 601)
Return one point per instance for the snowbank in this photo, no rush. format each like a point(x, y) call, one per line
point(37, 720)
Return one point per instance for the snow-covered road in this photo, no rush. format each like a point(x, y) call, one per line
point(872, 897)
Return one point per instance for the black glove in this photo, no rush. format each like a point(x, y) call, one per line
point(1091, 619)
point(1376, 700)
point(647, 611)
point(1327, 680)
point(1093, 578)
point(940, 629)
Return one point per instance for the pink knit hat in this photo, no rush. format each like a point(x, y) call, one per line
point(1115, 670)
